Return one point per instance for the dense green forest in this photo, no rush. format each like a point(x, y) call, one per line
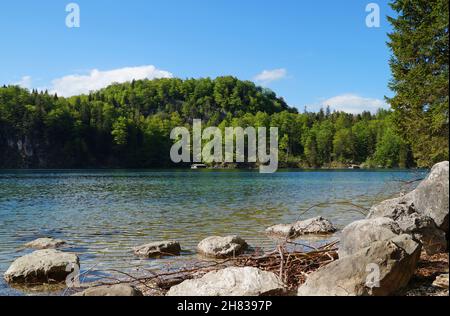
point(128, 126)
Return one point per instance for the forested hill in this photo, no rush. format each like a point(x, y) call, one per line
point(128, 126)
point(192, 98)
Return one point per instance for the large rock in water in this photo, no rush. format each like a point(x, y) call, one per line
point(361, 234)
point(281, 230)
point(158, 249)
point(423, 213)
point(231, 282)
point(313, 226)
point(317, 225)
point(45, 243)
point(222, 247)
point(111, 290)
point(379, 270)
point(42, 266)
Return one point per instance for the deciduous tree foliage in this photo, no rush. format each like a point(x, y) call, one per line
point(128, 126)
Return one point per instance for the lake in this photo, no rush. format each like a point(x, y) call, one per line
point(103, 214)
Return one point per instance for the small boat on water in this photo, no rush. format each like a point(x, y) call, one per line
point(199, 166)
point(355, 167)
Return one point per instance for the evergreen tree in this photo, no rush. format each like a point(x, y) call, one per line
point(420, 47)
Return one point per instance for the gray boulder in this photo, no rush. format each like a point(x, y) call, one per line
point(431, 197)
point(158, 249)
point(42, 266)
point(317, 225)
point(45, 243)
point(423, 228)
point(231, 282)
point(222, 247)
point(312, 226)
point(361, 234)
point(423, 213)
point(390, 208)
point(379, 270)
point(111, 290)
point(281, 230)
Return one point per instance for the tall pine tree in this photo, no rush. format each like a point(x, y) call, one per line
point(419, 64)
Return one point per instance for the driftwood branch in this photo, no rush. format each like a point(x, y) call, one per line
point(292, 268)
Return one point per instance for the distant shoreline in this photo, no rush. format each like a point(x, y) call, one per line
point(211, 169)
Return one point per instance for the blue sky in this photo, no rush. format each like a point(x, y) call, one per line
point(313, 52)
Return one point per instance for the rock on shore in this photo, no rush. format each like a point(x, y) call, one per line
point(313, 226)
point(361, 234)
point(42, 266)
point(231, 282)
point(158, 249)
point(431, 197)
point(423, 213)
point(378, 270)
point(222, 247)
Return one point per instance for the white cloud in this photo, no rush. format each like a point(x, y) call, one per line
point(268, 76)
point(25, 82)
point(81, 84)
point(352, 103)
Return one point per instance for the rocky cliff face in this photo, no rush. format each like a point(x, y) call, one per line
point(19, 152)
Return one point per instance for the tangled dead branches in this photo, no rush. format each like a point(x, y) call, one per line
point(291, 267)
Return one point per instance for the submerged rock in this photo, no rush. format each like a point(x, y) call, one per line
point(231, 282)
point(222, 247)
point(157, 249)
point(313, 226)
point(42, 266)
point(111, 290)
point(45, 243)
point(379, 270)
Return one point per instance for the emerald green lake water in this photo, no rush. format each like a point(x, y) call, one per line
point(103, 214)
